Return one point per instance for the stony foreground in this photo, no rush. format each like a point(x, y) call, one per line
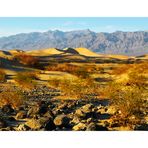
point(42, 112)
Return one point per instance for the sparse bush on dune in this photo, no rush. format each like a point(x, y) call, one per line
point(65, 67)
point(129, 97)
point(136, 79)
point(79, 71)
point(121, 69)
point(26, 79)
point(2, 76)
point(135, 68)
point(138, 75)
point(11, 97)
point(55, 82)
point(129, 100)
point(141, 67)
point(27, 60)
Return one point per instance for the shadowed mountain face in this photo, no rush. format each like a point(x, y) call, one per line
point(129, 43)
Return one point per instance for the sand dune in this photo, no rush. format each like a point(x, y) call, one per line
point(81, 51)
point(87, 52)
point(45, 52)
point(142, 57)
point(15, 51)
point(4, 53)
point(118, 56)
point(66, 51)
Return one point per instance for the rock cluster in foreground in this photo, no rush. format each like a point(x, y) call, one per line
point(43, 113)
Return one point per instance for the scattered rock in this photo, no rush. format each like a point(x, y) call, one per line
point(143, 127)
point(7, 109)
point(85, 111)
point(11, 119)
point(42, 107)
point(75, 120)
point(32, 111)
point(101, 109)
point(79, 127)
point(87, 108)
point(2, 124)
point(91, 126)
point(50, 125)
point(61, 120)
point(89, 120)
point(34, 124)
point(56, 111)
point(23, 127)
point(21, 115)
point(101, 128)
point(48, 114)
point(111, 110)
point(80, 113)
point(62, 106)
point(47, 123)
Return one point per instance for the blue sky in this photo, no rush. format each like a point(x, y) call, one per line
point(14, 25)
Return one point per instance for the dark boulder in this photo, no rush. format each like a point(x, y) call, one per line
point(7, 109)
point(91, 126)
point(61, 120)
point(2, 124)
point(80, 127)
point(21, 115)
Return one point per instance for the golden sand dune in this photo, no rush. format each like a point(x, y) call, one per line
point(142, 57)
point(87, 52)
point(118, 56)
point(15, 51)
point(45, 52)
point(70, 50)
point(4, 53)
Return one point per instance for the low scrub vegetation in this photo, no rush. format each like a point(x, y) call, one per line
point(77, 88)
point(65, 67)
point(11, 97)
point(130, 97)
point(27, 60)
point(136, 68)
point(129, 101)
point(2, 76)
point(79, 71)
point(121, 69)
point(26, 79)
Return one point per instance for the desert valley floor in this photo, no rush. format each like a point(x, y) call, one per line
point(72, 89)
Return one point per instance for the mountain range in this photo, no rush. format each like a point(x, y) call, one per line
point(128, 43)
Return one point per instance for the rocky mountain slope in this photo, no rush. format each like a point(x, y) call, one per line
point(129, 43)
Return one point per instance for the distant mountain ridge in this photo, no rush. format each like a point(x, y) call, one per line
point(128, 43)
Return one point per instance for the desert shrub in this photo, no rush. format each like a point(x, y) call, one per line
point(138, 75)
point(2, 76)
point(55, 82)
point(135, 68)
point(129, 98)
point(77, 88)
point(13, 98)
point(138, 80)
point(92, 68)
point(62, 67)
point(121, 69)
point(78, 71)
point(26, 79)
point(27, 60)
point(141, 68)
point(81, 73)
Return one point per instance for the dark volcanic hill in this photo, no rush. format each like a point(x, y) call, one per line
point(129, 43)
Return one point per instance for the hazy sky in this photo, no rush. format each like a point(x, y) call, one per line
point(14, 25)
